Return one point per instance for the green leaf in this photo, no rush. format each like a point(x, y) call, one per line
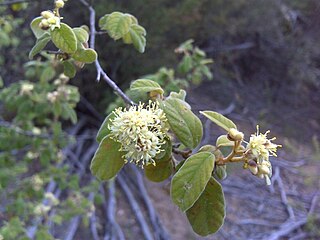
point(104, 130)
point(183, 122)
point(64, 38)
point(137, 34)
point(69, 69)
point(191, 179)
point(81, 34)
point(40, 44)
point(223, 141)
point(207, 215)
point(85, 55)
point(221, 172)
point(208, 148)
point(160, 172)
point(34, 25)
point(146, 85)
point(117, 24)
point(107, 161)
point(219, 119)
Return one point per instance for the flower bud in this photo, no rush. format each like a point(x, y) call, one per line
point(252, 165)
point(44, 25)
point(47, 14)
point(59, 3)
point(235, 135)
point(264, 169)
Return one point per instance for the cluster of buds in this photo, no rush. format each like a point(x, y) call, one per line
point(37, 182)
point(51, 20)
point(141, 130)
point(50, 201)
point(53, 96)
point(258, 151)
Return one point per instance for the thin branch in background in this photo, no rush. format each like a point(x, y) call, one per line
point(100, 71)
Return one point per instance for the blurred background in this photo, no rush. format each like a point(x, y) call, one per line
point(265, 70)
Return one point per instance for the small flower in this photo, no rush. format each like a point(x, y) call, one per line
point(141, 130)
point(261, 147)
point(41, 210)
point(37, 183)
point(258, 151)
point(52, 200)
point(47, 14)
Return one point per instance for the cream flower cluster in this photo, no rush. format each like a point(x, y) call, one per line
point(51, 19)
point(141, 131)
point(258, 151)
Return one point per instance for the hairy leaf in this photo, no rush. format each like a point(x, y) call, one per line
point(81, 34)
point(69, 69)
point(107, 161)
point(64, 38)
point(223, 141)
point(191, 179)
point(104, 130)
point(219, 119)
point(85, 55)
point(183, 122)
point(34, 25)
point(207, 215)
point(117, 24)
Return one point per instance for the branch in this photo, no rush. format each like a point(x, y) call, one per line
point(100, 71)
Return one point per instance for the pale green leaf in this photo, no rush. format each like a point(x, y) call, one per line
point(64, 38)
point(191, 179)
point(221, 172)
point(207, 215)
point(81, 34)
point(85, 55)
point(34, 25)
point(40, 45)
point(104, 129)
point(223, 141)
point(146, 85)
point(219, 119)
point(183, 122)
point(107, 161)
point(137, 34)
point(181, 95)
point(117, 24)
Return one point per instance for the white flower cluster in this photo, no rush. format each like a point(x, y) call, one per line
point(51, 19)
point(141, 131)
point(258, 151)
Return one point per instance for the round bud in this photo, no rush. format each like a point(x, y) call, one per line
point(52, 20)
point(235, 135)
point(44, 25)
point(252, 165)
point(59, 3)
point(47, 14)
point(264, 169)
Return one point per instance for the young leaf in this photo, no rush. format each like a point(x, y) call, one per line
point(117, 24)
point(146, 85)
point(223, 141)
point(137, 34)
point(85, 55)
point(181, 95)
point(64, 38)
point(107, 161)
point(40, 44)
point(34, 25)
point(219, 119)
point(69, 69)
point(207, 215)
point(183, 122)
point(104, 130)
point(81, 34)
point(191, 179)
point(221, 172)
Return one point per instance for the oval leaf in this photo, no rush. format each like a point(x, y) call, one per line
point(191, 179)
point(40, 44)
point(146, 85)
point(69, 69)
point(223, 141)
point(34, 25)
point(104, 129)
point(117, 24)
point(85, 55)
point(207, 215)
point(221, 172)
point(160, 172)
point(107, 161)
point(137, 34)
point(64, 38)
point(219, 119)
point(183, 122)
